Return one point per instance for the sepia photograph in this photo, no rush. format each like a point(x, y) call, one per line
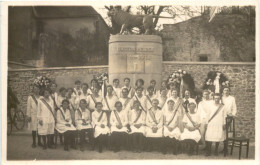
point(107, 81)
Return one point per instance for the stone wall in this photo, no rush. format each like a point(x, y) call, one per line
point(242, 78)
point(241, 75)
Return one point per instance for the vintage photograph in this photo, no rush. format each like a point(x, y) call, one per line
point(131, 82)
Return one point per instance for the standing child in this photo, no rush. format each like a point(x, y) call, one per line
point(46, 118)
point(32, 104)
point(216, 124)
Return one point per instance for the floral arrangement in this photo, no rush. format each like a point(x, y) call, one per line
point(101, 78)
point(215, 81)
point(188, 82)
point(42, 82)
point(176, 76)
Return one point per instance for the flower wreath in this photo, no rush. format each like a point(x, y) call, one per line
point(215, 82)
point(42, 82)
point(179, 77)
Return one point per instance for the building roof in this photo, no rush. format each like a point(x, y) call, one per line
point(64, 11)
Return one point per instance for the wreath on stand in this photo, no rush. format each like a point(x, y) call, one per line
point(181, 78)
point(215, 82)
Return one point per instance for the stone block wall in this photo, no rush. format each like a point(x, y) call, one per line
point(241, 75)
point(242, 78)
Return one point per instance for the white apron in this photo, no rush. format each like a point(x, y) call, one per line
point(150, 123)
point(194, 135)
point(98, 130)
point(64, 119)
point(132, 117)
point(79, 116)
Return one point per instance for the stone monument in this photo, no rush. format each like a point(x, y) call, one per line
point(135, 56)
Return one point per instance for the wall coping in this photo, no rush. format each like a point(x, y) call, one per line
point(208, 63)
point(106, 66)
point(59, 68)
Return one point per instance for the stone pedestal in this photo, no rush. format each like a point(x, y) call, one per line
point(135, 56)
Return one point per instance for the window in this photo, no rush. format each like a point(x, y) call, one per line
point(203, 57)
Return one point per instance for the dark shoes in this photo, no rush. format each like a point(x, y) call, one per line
point(33, 145)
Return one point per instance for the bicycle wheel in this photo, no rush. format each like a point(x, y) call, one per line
point(9, 126)
point(19, 119)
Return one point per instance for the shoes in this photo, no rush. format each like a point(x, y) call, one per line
point(66, 148)
point(208, 154)
point(40, 144)
point(51, 146)
point(44, 147)
point(33, 145)
point(216, 153)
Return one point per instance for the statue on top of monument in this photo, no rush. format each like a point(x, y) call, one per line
point(128, 21)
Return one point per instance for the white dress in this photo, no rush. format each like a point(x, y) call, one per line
point(215, 132)
point(168, 115)
point(80, 97)
point(194, 135)
point(98, 130)
point(117, 92)
point(151, 123)
point(133, 114)
point(123, 118)
point(204, 110)
point(79, 116)
point(148, 102)
point(47, 118)
point(162, 102)
point(91, 103)
point(126, 103)
point(142, 100)
point(59, 100)
point(110, 101)
point(63, 118)
point(32, 112)
point(230, 105)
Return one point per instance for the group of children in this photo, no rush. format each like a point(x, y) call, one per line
point(130, 118)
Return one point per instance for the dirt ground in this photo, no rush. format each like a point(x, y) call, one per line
point(19, 148)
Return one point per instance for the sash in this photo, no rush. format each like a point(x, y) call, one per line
point(100, 117)
point(176, 109)
point(152, 116)
point(55, 105)
point(49, 108)
point(189, 117)
point(95, 101)
point(149, 99)
point(118, 118)
point(62, 114)
point(137, 118)
point(115, 92)
point(140, 104)
point(79, 113)
point(126, 102)
point(163, 103)
point(34, 99)
point(107, 103)
point(215, 114)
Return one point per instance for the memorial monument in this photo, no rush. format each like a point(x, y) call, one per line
point(135, 56)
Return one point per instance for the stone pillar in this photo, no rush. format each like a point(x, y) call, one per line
point(135, 56)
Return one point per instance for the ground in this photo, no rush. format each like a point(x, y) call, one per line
point(22, 144)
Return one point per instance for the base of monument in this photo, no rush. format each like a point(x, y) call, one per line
point(135, 57)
